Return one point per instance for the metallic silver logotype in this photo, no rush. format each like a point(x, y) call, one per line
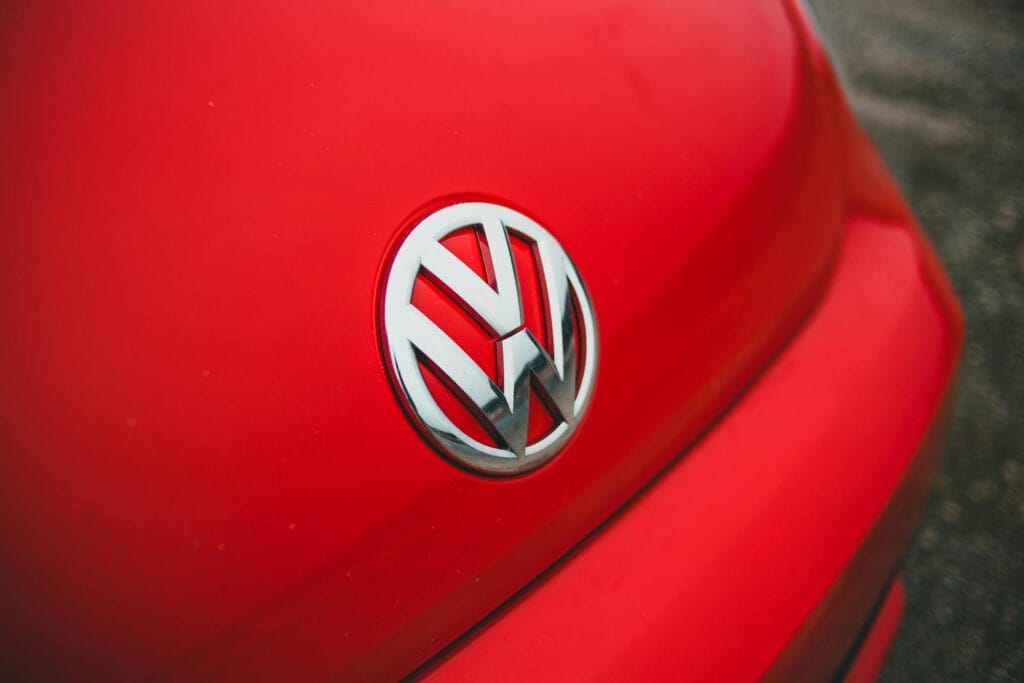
point(502, 406)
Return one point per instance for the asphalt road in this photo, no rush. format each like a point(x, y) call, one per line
point(940, 87)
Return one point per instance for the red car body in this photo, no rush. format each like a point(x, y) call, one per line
point(206, 473)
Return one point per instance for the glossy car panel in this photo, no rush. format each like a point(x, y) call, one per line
point(713, 573)
point(206, 472)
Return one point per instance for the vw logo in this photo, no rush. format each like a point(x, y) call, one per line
point(560, 369)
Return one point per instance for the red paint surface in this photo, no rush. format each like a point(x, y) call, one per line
point(712, 571)
point(204, 471)
point(872, 652)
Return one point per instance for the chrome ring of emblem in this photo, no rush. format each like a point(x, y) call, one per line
point(501, 407)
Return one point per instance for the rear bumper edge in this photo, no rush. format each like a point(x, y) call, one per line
point(763, 550)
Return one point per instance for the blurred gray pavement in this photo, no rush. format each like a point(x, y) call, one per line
point(939, 85)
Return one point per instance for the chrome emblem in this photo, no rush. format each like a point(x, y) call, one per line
point(563, 375)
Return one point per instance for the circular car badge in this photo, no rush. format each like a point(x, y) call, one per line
point(426, 361)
